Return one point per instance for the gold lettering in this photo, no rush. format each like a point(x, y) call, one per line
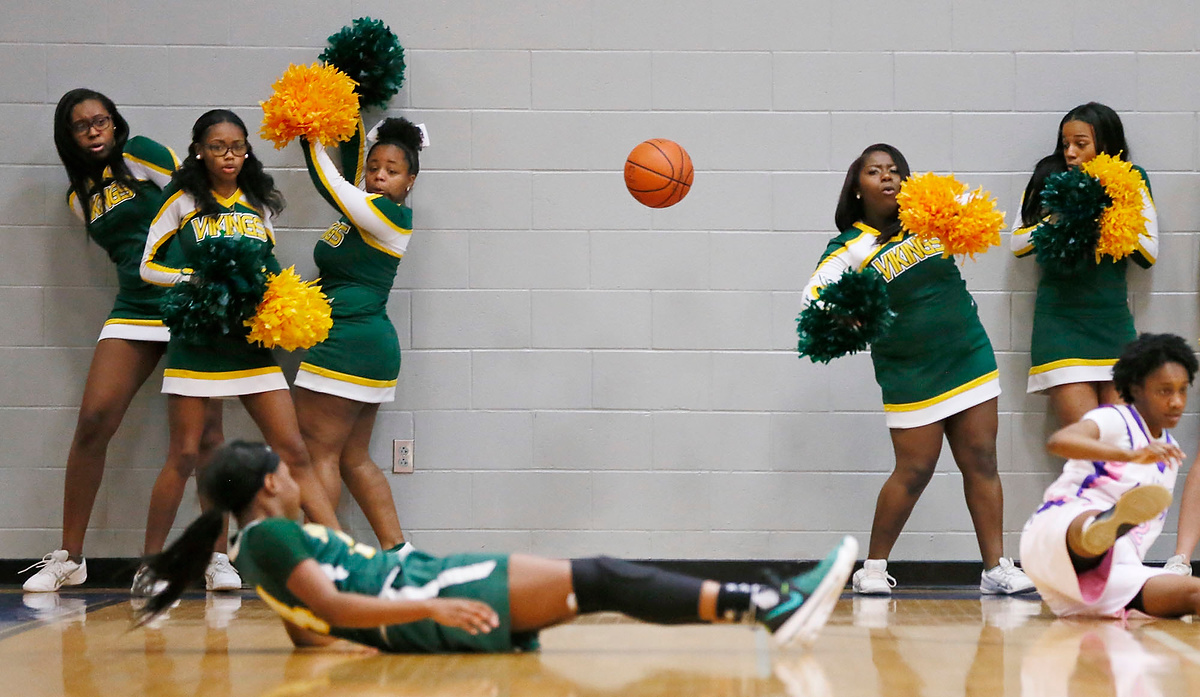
point(336, 233)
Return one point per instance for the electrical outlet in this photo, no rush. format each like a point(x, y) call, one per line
point(402, 456)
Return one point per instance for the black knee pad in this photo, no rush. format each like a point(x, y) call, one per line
point(643, 592)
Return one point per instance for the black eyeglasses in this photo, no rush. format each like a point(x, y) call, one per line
point(99, 123)
point(218, 149)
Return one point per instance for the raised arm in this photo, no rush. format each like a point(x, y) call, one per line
point(387, 224)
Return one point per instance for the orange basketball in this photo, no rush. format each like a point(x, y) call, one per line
point(658, 173)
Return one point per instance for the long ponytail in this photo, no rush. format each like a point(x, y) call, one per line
point(231, 481)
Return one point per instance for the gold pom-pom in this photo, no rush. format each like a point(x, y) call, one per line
point(293, 313)
point(1122, 222)
point(316, 101)
point(939, 207)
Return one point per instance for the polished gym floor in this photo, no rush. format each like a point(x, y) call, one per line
point(918, 642)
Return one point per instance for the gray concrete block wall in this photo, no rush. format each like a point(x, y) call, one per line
point(582, 374)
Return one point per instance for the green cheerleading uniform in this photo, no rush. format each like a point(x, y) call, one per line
point(224, 366)
point(267, 551)
point(935, 360)
point(1081, 321)
point(357, 258)
point(117, 217)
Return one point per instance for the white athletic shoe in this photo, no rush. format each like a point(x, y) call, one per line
point(56, 570)
point(873, 578)
point(220, 574)
point(1178, 564)
point(145, 584)
point(1004, 579)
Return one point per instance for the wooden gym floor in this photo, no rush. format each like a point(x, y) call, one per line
point(943, 642)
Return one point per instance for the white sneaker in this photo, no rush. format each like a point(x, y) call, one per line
point(1177, 564)
point(145, 584)
point(873, 578)
point(1004, 579)
point(57, 570)
point(220, 574)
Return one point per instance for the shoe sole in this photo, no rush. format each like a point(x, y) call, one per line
point(804, 625)
point(237, 587)
point(1135, 507)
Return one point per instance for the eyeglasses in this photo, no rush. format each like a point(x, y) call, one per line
point(239, 148)
point(99, 123)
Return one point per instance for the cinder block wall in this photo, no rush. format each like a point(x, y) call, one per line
point(582, 374)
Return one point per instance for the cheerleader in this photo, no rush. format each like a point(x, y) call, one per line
point(220, 191)
point(1081, 319)
point(345, 378)
point(326, 586)
point(935, 367)
point(1084, 546)
point(116, 183)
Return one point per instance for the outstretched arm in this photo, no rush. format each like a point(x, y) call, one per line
point(333, 608)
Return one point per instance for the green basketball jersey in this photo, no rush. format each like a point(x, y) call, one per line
point(357, 257)
point(117, 216)
point(267, 551)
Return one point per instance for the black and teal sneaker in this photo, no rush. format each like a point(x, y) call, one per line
point(798, 608)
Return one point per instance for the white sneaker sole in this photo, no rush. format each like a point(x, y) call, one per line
point(224, 587)
point(804, 625)
point(1135, 507)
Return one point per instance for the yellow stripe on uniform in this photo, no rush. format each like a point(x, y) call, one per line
point(138, 322)
point(914, 406)
point(150, 165)
point(866, 230)
point(345, 377)
point(216, 375)
point(1071, 363)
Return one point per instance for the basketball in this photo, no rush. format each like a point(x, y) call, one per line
point(658, 173)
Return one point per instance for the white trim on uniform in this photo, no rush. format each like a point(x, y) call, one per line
point(1067, 375)
point(225, 387)
point(134, 332)
point(948, 407)
point(342, 388)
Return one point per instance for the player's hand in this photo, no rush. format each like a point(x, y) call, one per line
point(470, 616)
point(1167, 453)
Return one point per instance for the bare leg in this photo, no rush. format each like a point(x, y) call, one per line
point(917, 451)
point(1071, 401)
point(119, 368)
point(367, 483)
point(1171, 596)
point(539, 588)
point(325, 424)
point(186, 418)
point(972, 437)
point(1189, 513)
point(276, 418)
point(212, 438)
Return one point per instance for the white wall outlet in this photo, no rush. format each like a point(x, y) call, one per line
point(402, 456)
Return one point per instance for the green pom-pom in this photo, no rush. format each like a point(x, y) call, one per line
point(225, 288)
point(1067, 242)
point(372, 56)
point(849, 315)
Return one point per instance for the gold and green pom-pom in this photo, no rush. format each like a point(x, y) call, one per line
point(1122, 222)
point(939, 207)
point(294, 313)
point(315, 101)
